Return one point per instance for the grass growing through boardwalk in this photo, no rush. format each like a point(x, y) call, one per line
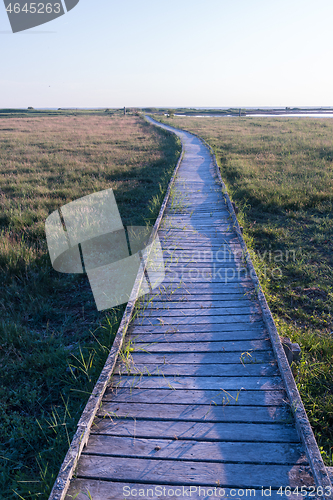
point(280, 173)
point(53, 341)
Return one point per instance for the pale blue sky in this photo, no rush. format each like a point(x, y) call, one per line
point(172, 53)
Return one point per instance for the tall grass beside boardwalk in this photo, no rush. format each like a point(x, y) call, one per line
point(279, 171)
point(53, 341)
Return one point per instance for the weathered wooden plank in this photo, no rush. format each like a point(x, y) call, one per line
point(213, 230)
point(193, 226)
point(251, 357)
point(210, 239)
point(188, 184)
point(208, 397)
point(236, 331)
point(170, 262)
point(220, 216)
point(193, 303)
point(225, 238)
point(191, 265)
point(200, 473)
point(204, 211)
point(220, 253)
point(226, 248)
point(227, 346)
point(196, 204)
point(220, 276)
point(108, 490)
point(205, 269)
point(236, 335)
point(186, 297)
point(255, 327)
point(173, 261)
point(196, 197)
point(268, 453)
point(199, 431)
point(185, 251)
point(201, 209)
point(200, 191)
point(183, 207)
point(196, 228)
point(200, 201)
point(203, 234)
point(191, 247)
point(217, 275)
point(200, 241)
point(205, 288)
point(210, 292)
point(193, 206)
point(194, 223)
point(174, 322)
point(221, 383)
point(212, 212)
point(194, 413)
point(171, 266)
point(172, 285)
point(194, 189)
point(197, 211)
point(200, 195)
point(242, 308)
point(206, 255)
point(166, 294)
point(211, 305)
point(198, 370)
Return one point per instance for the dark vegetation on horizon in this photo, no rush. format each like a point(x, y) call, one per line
point(234, 111)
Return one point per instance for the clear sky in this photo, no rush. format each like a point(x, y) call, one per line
point(113, 53)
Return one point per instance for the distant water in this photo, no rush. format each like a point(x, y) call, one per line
point(266, 115)
point(296, 115)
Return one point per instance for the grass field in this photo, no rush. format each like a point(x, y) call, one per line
point(280, 173)
point(53, 341)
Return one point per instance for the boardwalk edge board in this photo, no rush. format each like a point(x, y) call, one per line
point(320, 472)
point(82, 433)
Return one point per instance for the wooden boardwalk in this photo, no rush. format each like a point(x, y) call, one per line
point(198, 406)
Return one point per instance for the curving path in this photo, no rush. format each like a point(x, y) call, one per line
point(198, 405)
